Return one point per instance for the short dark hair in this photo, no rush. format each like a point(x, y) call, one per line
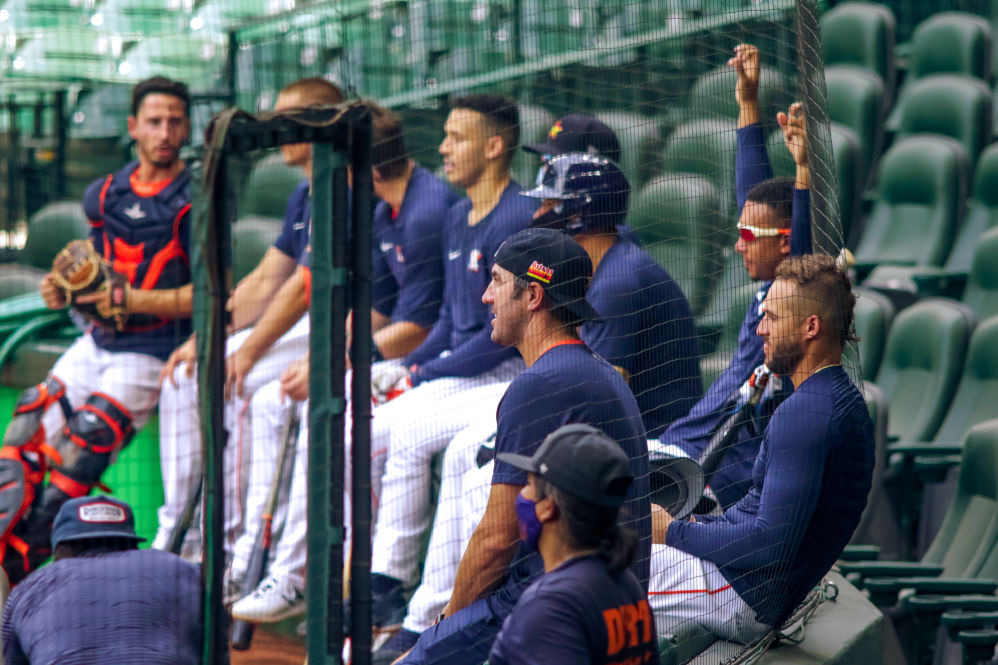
point(160, 85)
point(388, 152)
point(825, 288)
point(502, 117)
point(778, 194)
point(562, 315)
point(592, 526)
point(315, 90)
point(69, 549)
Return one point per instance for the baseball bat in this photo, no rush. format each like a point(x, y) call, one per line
point(179, 532)
point(242, 631)
point(727, 433)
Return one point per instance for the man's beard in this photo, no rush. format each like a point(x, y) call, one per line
point(786, 356)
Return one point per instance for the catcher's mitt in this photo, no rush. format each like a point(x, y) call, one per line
point(78, 269)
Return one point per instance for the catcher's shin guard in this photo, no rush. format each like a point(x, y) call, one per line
point(92, 435)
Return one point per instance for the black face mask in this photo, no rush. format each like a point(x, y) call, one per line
point(558, 218)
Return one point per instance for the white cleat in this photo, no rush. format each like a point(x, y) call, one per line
point(273, 600)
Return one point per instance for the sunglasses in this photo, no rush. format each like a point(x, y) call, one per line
point(753, 233)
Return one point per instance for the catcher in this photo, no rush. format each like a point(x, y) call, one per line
point(131, 280)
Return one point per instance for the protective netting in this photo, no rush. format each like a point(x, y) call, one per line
point(746, 132)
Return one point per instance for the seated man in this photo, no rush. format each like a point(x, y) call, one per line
point(742, 573)
point(537, 297)
point(104, 387)
point(774, 222)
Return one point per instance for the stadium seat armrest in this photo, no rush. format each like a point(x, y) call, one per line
point(978, 644)
point(956, 620)
point(884, 590)
point(860, 553)
point(949, 284)
point(924, 449)
point(929, 603)
point(869, 569)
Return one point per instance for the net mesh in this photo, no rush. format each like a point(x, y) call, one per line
point(679, 314)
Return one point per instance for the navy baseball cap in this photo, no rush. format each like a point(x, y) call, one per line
point(556, 262)
point(582, 461)
point(94, 517)
point(577, 132)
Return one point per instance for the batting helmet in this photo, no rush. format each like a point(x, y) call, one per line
point(593, 194)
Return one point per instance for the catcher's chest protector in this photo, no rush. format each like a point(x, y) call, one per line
point(140, 235)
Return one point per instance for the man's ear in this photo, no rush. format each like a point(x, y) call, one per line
point(546, 509)
point(494, 147)
point(535, 296)
point(812, 326)
point(785, 245)
point(131, 126)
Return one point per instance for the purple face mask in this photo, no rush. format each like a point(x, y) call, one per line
point(530, 526)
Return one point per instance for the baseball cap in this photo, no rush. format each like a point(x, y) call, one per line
point(556, 262)
point(676, 482)
point(94, 517)
point(582, 461)
point(577, 132)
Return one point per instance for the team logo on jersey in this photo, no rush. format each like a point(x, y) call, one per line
point(555, 130)
point(540, 272)
point(474, 260)
point(454, 255)
point(398, 254)
point(134, 211)
point(386, 246)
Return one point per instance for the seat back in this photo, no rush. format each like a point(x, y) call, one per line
point(706, 148)
point(49, 229)
point(268, 187)
point(952, 105)
point(951, 42)
point(251, 238)
point(982, 211)
point(923, 358)
point(861, 34)
point(873, 314)
point(677, 219)
point(922, 181)
point(981, 294)
point(713, 95)
point(535, 123)
point(640, 144)
point(967, 541)
point(976, 395)
point(856, 100)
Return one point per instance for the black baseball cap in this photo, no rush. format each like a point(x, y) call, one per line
point(94, 517)
point(552, 259)
point(582, 461)
point(579, 133)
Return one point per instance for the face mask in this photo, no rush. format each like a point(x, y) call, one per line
point(530, 526)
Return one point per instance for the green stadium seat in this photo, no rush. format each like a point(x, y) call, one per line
point(952, 105)
point(713, 95)
point(16, 280)
point(706, 148)
point(873, 314)
point(640, 144)
point(535, 122)
point(861, 34)
point(270, 184)
point(981, 294)
point(676, 217)
point(982, 214)
point(848, 159)
point(856, 100)
point(251, 237)
point(922, 184)
point(922, 361)
point(49, 229)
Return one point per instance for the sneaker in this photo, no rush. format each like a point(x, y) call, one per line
point(273, 600)
point(232, 586)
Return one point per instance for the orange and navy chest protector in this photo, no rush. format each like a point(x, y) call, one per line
point(143, 231)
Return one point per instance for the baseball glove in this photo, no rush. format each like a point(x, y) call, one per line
point(78, 270)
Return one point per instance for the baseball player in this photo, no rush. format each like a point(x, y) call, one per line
point(774, 222)
point(104, 386)
point(537, 297)
point(587, 607)
point(743, 572)
point(267, 309)
point(408, 285)
point(645, 329)
point(103, 600)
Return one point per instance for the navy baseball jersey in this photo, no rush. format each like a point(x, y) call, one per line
point(138, 606)
point(408, 263)
point(579, 614)
point(293, 238)
point(571, 384)
point(645, 327)
point(464, 325)
point(143, 231)
point(809, 488)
